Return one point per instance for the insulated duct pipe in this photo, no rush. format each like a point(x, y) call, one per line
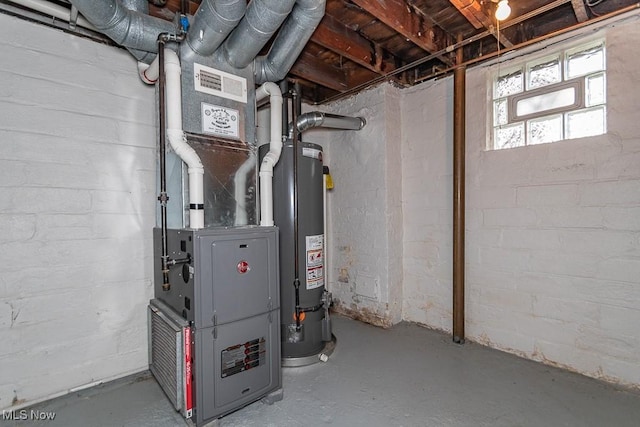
point(291, 39)
point(126, 27)
point(319, 119)
point(275, 148)
point(261, 21)
point(212, 23)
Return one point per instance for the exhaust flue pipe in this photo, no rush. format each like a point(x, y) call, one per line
point(290, 41)
point(318, 119)
point(212, 23)
point(275, 148)
point(126, 27)
point(261, 21)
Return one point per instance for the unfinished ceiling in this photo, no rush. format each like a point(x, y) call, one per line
point(363, 42)
point(360, 42)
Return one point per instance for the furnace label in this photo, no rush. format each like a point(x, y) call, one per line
point(315, 261)
point(221, 121)
point(242, 357)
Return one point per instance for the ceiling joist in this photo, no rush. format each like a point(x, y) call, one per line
point(476, 15)
point(398, 15)
point(334, 35)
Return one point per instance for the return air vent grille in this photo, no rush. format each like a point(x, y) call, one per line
point(219, 83)
point(167, 355)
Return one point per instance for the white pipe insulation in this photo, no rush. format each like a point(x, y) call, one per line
point(275, 148)
point(175, 135)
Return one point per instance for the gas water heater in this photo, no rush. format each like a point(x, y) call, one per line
point(306, 326)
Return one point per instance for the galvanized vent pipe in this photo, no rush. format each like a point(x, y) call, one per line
point(212, 23)
point(290, 41)
point(126, 27)
point(325, 120)
point(262, 20)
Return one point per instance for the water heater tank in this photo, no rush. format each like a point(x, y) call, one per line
point(308, 341)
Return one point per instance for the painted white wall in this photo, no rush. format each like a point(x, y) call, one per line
point(553, 231)
point(365, 211)
point(77, 179)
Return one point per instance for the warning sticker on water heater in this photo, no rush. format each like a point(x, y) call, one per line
point(315, 261)
point(221, 121)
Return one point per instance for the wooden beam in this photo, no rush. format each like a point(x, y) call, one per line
point(335, 36)
point(400, 16)
point(580, 10)
point(309, 67)
point(475, 14)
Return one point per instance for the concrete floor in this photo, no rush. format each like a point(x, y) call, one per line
point(405, 376)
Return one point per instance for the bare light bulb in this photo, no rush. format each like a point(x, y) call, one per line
point(503, 10)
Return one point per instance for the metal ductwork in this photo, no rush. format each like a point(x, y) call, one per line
point(141, 6)
point(126, 27)
point(212, 23)
point(290, 41)
point(262, 20)
point(315, 119)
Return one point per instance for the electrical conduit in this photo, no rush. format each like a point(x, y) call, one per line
point(275, 148)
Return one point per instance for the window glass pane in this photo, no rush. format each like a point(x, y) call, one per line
point(509, 136)
point(508, 84)
point(585, 61)
point(595, 90)
point(545, 129)
point(544, 74)
point(547, 101)
point(500, 112)
point(585, 123)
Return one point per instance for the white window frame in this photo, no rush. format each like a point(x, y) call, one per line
point(577, 83)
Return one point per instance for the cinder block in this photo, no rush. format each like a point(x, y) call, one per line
point(510, 217)
point(570, 217)
point(622, 218)
point(547, 195)
point(619, 269)
point(603, 242)
point(565, 264)
point(16, 228)
point(609, 193)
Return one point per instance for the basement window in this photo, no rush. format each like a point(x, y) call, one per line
point(558, 97)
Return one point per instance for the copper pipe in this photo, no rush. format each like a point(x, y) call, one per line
point(459, 99)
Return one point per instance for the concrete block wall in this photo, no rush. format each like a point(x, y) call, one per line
point(77, 178)
point(553, 235)
point(365, 211)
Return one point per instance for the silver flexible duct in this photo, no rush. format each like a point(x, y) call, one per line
point(212, 23)
point(126, 27)
point(261, 21)
point(318, 119)
point(290, 41)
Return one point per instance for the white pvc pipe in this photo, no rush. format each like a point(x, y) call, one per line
point(178, 140)
point(149, 72)
point(275, 148)
point(54, 10)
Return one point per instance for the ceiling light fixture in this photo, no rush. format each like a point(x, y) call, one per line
point(503, 10)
